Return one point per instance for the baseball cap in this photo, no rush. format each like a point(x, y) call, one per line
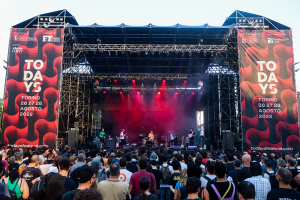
point(73, 158)
point(153, 156)
point(281, 162)
point(85, 173)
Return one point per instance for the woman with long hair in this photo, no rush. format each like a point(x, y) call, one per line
point(145, 187)
point(15, 183)
point(181, 182)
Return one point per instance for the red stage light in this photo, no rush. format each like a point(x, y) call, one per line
point(138, 92)
point(133, 81)
point(121, 92)
point(176, 92)
point(158, 93)
point(104, 92)
point(185, 81)
point(193, 92)
point(164, 81)
point(115, 81)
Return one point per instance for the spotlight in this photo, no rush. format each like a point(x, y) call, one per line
point(104, 92)
point(146, 52)
point(164, 81)
point(158, 93)
point(138, 92)
point(109, 53)
point(133, 81)
point(121, 92)
point(185, 81)
point(42, 19)
point(176, 92)
point(193, 92)
point(115, 81)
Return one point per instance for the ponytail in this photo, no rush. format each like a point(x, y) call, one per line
point(13, 175)
point(144, 196)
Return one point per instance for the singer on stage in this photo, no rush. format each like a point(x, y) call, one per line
point(151, 136)
point(122, 137)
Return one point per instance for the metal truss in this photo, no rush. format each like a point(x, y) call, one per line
point(149, 48)
point(144, 88)
point(75, 92)
point(142, 76)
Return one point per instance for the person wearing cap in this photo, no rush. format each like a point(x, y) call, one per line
point(73, 159)
point(86, 178)
point(80, 161)
point(284, 178)
point(281, 163)
point(14, 182)
point(262, 185)
point(113, 188)
point(32, 171)
point(125, 175)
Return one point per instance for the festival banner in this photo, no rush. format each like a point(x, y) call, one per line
point(31, 100)
point(268, 92)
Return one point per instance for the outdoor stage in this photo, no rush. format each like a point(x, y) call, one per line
point(219, 80)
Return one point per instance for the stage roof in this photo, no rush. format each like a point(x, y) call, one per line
point(148, 62)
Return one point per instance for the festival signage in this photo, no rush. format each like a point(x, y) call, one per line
point(31, 100)
point(268, 93)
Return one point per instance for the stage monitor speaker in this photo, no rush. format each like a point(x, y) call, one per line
point(192, 147)
point(228, 140)
point(176, 147)
point(73, 138)
point(127, 146)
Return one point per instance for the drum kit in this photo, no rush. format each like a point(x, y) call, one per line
point(147, 141)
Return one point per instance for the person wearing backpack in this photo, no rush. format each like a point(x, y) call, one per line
point(222, 188)
point(270, 175)
point(166, 171)
point(210, 168)
point(16, 186)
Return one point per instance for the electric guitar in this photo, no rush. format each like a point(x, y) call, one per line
point(190, 135)
point(182, 145)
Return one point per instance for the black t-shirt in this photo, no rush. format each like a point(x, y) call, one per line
point(151, 197)
point(229, 167)
point(233, 175)
point(222, 187)
point(132, 167)
point(3, 197)
point(58, 185)
point(282, 193)
point(243, 174)
point(29, 174)
point(158, 177)
point(173, 179)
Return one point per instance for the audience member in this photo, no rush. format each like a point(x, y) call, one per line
point(262, 185)
point(125, 175)
point(246, 191)
point(284, 178)
point(233, 173)
point(193, 185)
point(32, 171)
point(88, 194)
point(244, 173)
point(144, 184)
point(113, 188)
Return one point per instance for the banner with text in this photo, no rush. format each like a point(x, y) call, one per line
point(31, 101)
point(268, 93)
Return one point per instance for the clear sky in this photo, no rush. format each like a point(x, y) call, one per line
point(140, 12)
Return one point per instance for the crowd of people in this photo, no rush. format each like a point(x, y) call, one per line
point(146, 174)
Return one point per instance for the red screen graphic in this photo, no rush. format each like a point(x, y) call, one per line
point(31, 101)
point(268, 93)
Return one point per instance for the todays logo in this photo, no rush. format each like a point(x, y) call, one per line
point(276, 40)
point(24, 39)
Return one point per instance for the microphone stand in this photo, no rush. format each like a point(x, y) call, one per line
point(156, 132)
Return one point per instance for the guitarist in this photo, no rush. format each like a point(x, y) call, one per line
point(122, 137)
point(102, 136)
point(192, 136)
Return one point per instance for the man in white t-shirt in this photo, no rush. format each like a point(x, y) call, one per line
point(124, 173)
point(122, 137)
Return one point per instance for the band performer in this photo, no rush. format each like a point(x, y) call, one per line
point(122, 137)
point(151, 136)
point(192, 136)
point(102, 136)
point(172, 138)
